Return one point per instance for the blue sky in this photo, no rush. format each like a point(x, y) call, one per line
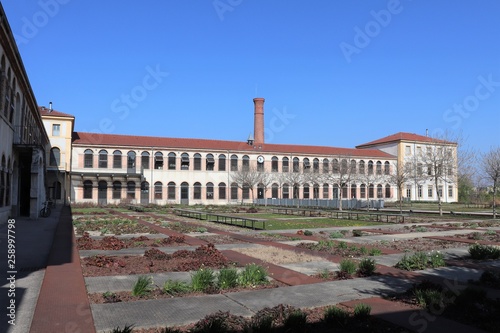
point(335, 73)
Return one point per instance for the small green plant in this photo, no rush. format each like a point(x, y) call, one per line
point(436, 259)
point(366, 267)
point(476, 235)
point(173, 287)
point(490, 232)
point(421, 260)
point(362, 311)
point(227, 278)
point(253, 275)
point(324, 273)
point(126, 329)
point(420, 229)
point(202, 280)
point(342, 245)
point(375, 252)
point(430, 298)
point(336, 234)
point(143, 286)
point(295, 322)
point(363, 250)
point(110, 297)
point(201, 229)
point(335, 316)
point(308, 233)
point(347, 266)
point(481, 252)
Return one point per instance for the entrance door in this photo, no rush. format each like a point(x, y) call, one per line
point(184, 193)
point(102, 192)
point(144, 193)
point(260, 192)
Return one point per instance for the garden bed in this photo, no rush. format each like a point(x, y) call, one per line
point(113, 243)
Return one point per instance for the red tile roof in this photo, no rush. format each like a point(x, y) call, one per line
point(47, 112)
point(145, 142)
point(402, 136)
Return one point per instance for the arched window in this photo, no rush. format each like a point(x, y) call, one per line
point(286, 191)
point(222, 191)
point(306, 164)
point(326, 165)
point(117, 190)
point(274, 164)
point(184, 161)
point(245, 166)
point(315, 191)
point(379, 168)
point(88, 159)
point(326, 191)
point(295, 190)
point(234, 163)
point(117, 159)
point(197, 191)
point(158, 190)
point(87, 189)
point(210, 162)
point(285, 164)
point(103, 159)
point(172, 161)
point(362, 167)
point(159, 161)
point(387, 191)
point(380, 194)
point(222, 162)
point(343, 167)
point(55, 156)
point(387, 168)
point(353, 191)
point(274, 191)
point(131, 190)
point(145, 160)
point(210, 191)
point(362, 191)
point(197, 162)
point(344, 191)
point(335, 165)
point(353, 167)
point(131, 160)
point(171, 191)
point(335, 191)
point(305, 191)
point(296, 164)
point(371, 190)
point(234, 191)
point(245, 191)
point(370, 167)
point(315, 165)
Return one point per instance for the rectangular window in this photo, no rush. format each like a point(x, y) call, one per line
point(286, 192)
point(420, 189)
point(450, 191)
point(407, 150)
point(429, 191)
point(440, 191)
point(222, 164)
point(408, 191)
point(325, 192)
point(144, 161)
point(56, 129)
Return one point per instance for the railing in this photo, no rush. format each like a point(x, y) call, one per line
point(224, 219)
point(322, 203)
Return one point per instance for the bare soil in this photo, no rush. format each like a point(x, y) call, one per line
point(113, 243)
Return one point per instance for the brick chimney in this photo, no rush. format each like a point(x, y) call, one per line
point(258, 120)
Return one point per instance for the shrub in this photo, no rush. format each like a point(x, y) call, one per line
point(336, 234)
point(421, 229)
point(342, 245)
point(214, 323)
point(126, 329)
point(173, 287)
point(308, 233)
point(259, 324)
point(228, 278)
point(436, 259)
point(366, 267)
point(362, 311)
point(475, 235)
point(357, 233)
point(478, 251)
point(202, 280)
point(335, 315)
point(375, 252)
point(142, 286)
point(421, 260)
point(253, 275)
point(155, 254)
point(110, 297)
point(430, 298)
point(201, 229)
point(295, 322)
point(363, 250)
point(347, 267)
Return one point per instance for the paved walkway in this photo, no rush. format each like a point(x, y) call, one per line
point(62, 304)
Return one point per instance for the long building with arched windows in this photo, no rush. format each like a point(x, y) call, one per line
point(111, 169)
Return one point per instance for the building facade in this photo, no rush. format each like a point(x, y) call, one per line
point(22, 136)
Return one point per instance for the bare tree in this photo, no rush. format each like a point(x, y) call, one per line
point(340, 175)
point(402, 175)
point(265, 179)
point(246, 178)
point(490, 166)
point(440, 160)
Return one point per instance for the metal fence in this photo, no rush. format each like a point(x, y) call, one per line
point(322, 203)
